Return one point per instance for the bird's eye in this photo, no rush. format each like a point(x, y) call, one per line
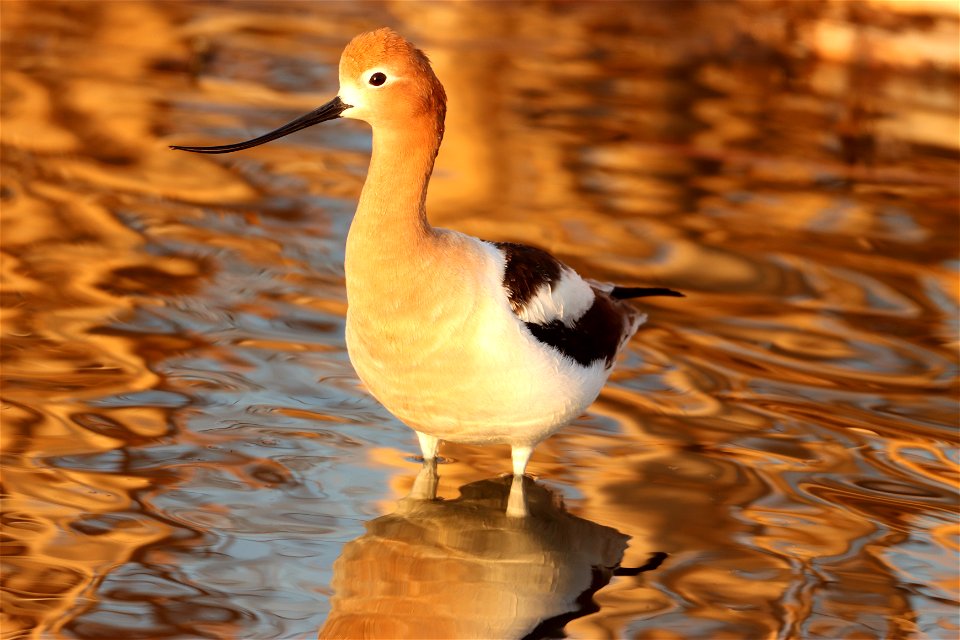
point(378, 79)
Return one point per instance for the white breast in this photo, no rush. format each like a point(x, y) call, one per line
point(458, 364)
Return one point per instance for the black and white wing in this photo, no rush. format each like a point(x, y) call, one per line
point(587, 322)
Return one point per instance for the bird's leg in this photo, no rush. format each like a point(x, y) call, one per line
point(520, 457)
point(428, 445)
point(517, 502)
point(425, 486)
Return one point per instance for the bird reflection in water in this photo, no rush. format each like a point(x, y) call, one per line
point(463, 568)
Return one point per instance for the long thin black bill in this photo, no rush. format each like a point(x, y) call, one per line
point(329, 111)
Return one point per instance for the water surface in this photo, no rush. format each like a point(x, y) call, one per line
point(188, 453)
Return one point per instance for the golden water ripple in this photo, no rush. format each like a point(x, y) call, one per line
point(187, 451)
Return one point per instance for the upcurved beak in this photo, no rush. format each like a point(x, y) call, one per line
point(329, 111)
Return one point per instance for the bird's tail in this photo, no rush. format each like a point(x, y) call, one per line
point(623, 293)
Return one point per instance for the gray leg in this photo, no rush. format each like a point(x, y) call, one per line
point(428, 445)
point(517, 502)
point(425, 486)
point(520, 457)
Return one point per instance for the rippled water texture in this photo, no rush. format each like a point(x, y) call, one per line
point(188, 453)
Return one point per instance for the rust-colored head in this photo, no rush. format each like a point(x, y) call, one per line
point(384, 80)
point(389, 82)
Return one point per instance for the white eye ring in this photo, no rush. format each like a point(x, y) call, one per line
point(376, 78)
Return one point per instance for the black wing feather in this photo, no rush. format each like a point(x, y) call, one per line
point(623, 293)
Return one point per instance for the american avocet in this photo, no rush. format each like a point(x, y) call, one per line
point(463, 340)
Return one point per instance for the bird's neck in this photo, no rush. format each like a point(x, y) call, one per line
point(391, 243)
point(391, 212)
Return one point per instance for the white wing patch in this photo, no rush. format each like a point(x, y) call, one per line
point(567, 301)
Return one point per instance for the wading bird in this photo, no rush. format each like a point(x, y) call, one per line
point(463, 340)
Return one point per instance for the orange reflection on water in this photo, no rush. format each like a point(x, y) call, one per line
point(187, 451)
point(484, 574)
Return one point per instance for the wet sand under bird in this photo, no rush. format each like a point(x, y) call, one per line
point(462, 339)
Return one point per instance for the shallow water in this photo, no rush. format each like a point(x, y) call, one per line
point(188, 453)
